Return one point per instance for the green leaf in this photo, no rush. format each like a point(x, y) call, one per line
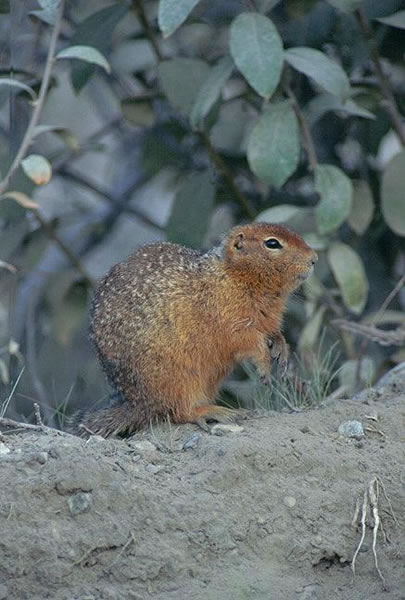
point(63, 133)
point(395, 20)
point(48, 12)
point(362, 208)
point(392, 194)
point(281, 213)
point(348, 270)
point(173, 13)
point(37, 168)
point(181, 80)
point(273, 147)
point(210, 91)
point(346, 6)
point(257, 50)
point(324, 103)
point(335, 190)
point(299, 218)
point(349, 372)
point(192, 209)
point(328, 74)
point(138, 113)
point(86, 53)
point(95, 31)
point(310, 334)
point(18, 84)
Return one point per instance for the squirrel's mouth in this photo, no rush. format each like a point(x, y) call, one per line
point(306, 274)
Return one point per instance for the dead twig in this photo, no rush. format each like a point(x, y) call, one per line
point(131, 540)
point(6, 422)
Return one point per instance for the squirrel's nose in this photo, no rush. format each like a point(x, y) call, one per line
point(314, 258)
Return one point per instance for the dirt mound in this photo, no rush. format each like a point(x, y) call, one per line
point(176, 513)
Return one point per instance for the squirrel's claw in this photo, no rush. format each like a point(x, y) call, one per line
point(279, 351)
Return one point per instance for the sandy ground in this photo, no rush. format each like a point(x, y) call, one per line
point(176, 513)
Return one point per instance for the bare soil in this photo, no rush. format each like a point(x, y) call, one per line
point(176, 513)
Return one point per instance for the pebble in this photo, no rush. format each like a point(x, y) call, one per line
point(192, 442)
point(144, 446)
point(224, 428)
point(80, 503)
point(42, 457)
point(290, 501)
point(4, 449)
point(153, 468)
point(351, 429)
point(316, 540)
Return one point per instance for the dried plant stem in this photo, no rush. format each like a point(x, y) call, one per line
point(27, 139)
point(390, 104)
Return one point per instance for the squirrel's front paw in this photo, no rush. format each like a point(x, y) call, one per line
point(265, 379)
point(279, 351)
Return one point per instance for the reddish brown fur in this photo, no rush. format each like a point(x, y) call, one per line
point(169, 323)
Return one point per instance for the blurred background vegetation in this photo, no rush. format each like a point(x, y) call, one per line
point(126, 122)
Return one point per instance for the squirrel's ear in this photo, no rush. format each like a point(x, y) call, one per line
point(239, 241)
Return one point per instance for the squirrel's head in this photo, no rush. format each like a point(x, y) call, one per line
point(269, 254)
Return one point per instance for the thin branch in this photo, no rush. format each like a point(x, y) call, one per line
point(390, 104)
point(120, 203)
point(27, 139)
point(223, 169)
point(139, 8)
point(51, 233)
point(306, 133)
point(378, 316)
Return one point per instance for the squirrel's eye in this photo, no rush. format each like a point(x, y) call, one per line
point(272, 243)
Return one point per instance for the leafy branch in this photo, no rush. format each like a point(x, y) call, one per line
point(390, 104)
point(29, 133)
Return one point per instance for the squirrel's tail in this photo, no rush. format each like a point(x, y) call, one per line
point(116, 420)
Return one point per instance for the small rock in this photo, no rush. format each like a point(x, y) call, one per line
point(221, 451)
point(224, 428)
point(290, 501)
point(3, 592)
point(153, 468)
point(305, 429)
point(192, 442)
point(94, 440)
point(316, 540)
point(80, 503)
point(4, 449)
point(143, 446)
point(42, 457)
point(351, 429)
